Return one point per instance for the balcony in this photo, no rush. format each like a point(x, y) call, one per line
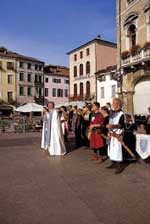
point(81, 98)
point(38, 84)
point(139, 58)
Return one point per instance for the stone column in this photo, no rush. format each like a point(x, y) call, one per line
point(129, 102)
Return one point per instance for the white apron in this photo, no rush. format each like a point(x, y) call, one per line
point(115, 147)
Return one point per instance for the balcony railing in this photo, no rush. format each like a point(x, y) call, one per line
point(81, 98)
point(143, 55)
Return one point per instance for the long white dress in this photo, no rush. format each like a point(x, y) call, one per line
point(56, 144)
point(44, 140)
point(115, 147)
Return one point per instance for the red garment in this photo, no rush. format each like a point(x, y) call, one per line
point(96, 140)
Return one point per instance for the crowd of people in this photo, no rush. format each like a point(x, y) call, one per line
point(107, 131)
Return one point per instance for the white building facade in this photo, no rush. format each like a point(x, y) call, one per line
point(30, 80)
point(106, 85)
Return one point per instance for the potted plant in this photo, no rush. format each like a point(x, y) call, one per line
point(146, 46)
point(125, 54)
point(136, 49)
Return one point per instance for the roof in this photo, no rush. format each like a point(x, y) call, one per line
point(58, 70)
point(59, 66)
point(107, 69)
point(97, 40)
point(11, 54)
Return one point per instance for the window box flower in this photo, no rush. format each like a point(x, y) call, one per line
point(135, 50)
point(125, 55)
point(146, 46)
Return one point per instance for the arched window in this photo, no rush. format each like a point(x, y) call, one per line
point(87, 67)
point(75, 71)
point(81, 88)
point(81, 69)
point(88, 89)
point(75, 89)
point(132, 35)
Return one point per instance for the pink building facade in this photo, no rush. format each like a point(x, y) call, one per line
point(84, 62)
point(56, 84)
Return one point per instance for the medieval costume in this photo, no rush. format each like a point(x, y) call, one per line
point(44, 141)
point(115, 147)
point(56, 139)
point(96, 140)
point(129, 137)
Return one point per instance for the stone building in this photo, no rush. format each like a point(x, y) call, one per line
point(133, 55)
point(84, 62)
point(56, 84)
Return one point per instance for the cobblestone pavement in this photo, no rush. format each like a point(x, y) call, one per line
point(39, 189)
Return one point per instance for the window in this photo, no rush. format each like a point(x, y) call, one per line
point(29, 65)
point(21, 64)
point(10, 65)
point(81, 69)
point(29, 91)
point(102, 92)
point(66, 92)
point(21, 91)
point(113, 91)
point(88, 89)
point(57, 80)
point(36, 67)
point(36, 78)
point(40, 79)
point(87, 52)
point(75, 57)
point(75, 71)
point(81, 54)
point(81, 88)
point(54, 92)
point(29, 78)
point(46, 79)
point(75, 89)
point(46, 91)
point(59, 93)
point(10, 77)
point(132, 35)
point(66, 81)
point(0, 64)
point(40, 67)
point(10, 96)
point(21, 76)
point(130, 1)
point(40, 92)
point(87, 67)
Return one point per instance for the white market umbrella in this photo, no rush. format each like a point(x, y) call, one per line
point(30, 107)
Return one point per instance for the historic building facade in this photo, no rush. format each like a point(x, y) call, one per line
point(21, 78)
point(106, 85)
point(7, 76)
point(56, 84)
point(84, 62)
point(133, 55)
point(30, 80)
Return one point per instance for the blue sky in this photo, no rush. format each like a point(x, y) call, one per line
point(47, 29)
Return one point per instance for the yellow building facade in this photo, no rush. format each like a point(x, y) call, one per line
point(7, 78)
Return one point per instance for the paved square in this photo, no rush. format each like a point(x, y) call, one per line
point(39, 189)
